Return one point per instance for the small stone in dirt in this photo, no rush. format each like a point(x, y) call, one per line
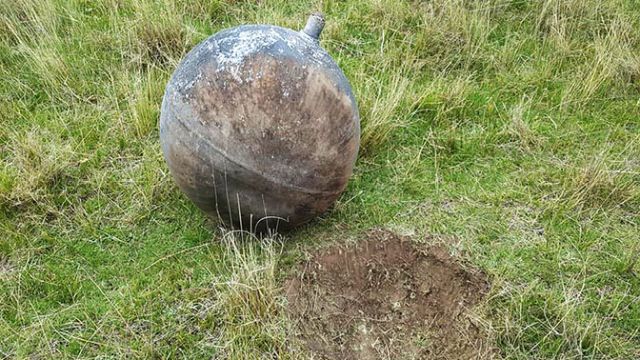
point(385, 299)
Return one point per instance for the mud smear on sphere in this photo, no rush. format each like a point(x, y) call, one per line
point(385, 299)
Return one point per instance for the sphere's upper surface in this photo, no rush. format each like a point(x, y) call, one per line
point(260, 121)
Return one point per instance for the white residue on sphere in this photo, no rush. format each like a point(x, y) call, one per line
point(233, 49)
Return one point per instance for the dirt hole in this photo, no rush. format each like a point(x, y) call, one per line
point(385, 298)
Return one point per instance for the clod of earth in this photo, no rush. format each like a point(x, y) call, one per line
point(387, 298)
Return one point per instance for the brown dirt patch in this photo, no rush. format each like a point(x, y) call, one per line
point(386, 299)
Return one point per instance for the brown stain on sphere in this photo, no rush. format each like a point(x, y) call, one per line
point(258, 122)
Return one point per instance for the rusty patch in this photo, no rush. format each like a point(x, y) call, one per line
point(287, 123)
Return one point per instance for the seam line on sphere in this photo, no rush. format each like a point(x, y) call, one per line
point(227, 157)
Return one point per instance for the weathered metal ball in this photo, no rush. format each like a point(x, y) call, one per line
point(259, 126)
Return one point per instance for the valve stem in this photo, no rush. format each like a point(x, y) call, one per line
point(314, 26)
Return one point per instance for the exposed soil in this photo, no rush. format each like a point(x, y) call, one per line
point(385, 298)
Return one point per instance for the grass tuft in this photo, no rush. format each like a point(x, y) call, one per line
point(246, 305)
point(517, 126)
point(158, 37)
point(597, 185)
point(383, 115)
point(39, 161)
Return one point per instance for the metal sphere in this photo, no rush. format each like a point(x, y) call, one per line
point(259, 126)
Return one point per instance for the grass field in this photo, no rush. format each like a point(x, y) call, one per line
point(507, 130)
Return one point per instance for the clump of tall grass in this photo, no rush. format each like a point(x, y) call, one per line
point(381, 112)
point(441, 38)
point(27, 22)
point(517, 126)
point(158, 36)
point(37, 161)
point(246, 305)
point(611, 58)
point(602, 181)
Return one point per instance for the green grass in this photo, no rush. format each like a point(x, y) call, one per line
point(507, 130)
